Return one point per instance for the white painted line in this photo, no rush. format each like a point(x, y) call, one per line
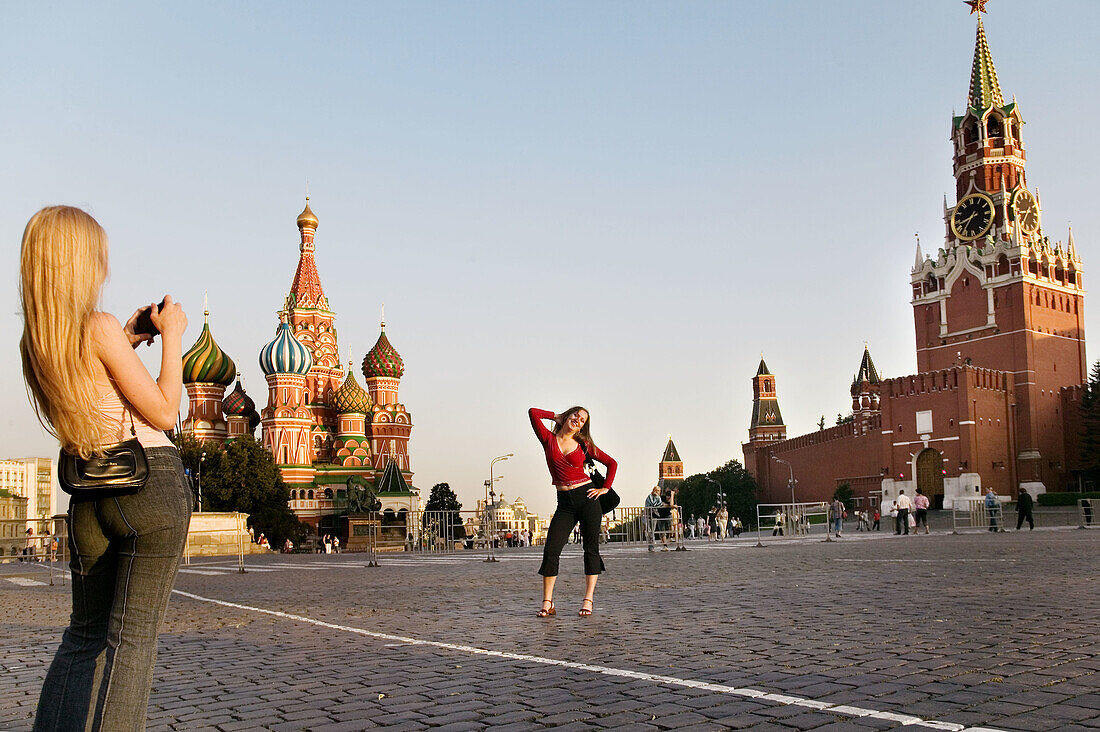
point(202, 571)
point(25, 582)
point(784, 699)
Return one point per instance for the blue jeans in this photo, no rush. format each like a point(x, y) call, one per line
point(838, 524)
point(125, 552)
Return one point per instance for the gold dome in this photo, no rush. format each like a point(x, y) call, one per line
point(307, 218)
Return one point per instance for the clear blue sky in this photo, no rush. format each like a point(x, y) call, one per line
point(618, 204)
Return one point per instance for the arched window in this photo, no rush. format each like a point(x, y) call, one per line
point(994, 127)
point(311, 495)
point(970, 133)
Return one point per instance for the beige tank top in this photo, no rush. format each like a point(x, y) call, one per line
point(116, 411)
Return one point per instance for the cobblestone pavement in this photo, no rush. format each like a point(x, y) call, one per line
point(867, 632)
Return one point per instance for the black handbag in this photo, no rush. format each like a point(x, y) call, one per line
point(609, 500)
point(121, 470)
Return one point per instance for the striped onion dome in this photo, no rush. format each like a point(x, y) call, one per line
point(206, 363)
point(285, 355)
point(351, 398)
point(383, 359)
point(237, 403)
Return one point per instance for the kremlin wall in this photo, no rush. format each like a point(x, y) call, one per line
point(322, 427)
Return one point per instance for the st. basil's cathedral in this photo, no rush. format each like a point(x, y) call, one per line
point(998, 314)
point(322, 428)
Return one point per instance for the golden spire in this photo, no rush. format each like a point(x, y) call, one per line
point(977, 6)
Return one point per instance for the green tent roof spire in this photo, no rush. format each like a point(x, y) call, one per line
point(985, 91)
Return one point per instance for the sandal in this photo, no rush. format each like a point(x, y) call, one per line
point(586, 611)
point(546, 612)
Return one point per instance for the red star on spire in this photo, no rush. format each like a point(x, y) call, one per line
point(976, 6)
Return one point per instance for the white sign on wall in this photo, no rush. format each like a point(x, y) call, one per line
point(924, 422)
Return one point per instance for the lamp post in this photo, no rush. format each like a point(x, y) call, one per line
point(790, 481)
point(490, 556)
point(202, 459)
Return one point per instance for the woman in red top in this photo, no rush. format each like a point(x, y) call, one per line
point(578, 499)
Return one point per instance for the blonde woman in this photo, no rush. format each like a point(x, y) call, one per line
point(87, 383)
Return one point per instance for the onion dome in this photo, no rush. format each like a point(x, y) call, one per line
point(237, 403)
point(285, 355)
point(383, 359)
point(351, 397)
point(206, 363)
point(307, 218)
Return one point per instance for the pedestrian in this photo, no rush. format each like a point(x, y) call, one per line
point(700, 527)
point(877, 521)
point(336, 545)
point(920, 511)
point(837, 510)
point(1024, 504)
point(903, 504)
point(567, 449)
point(777, 529)
point(1086, 509)
point(28, 546)
point(90, 390)
point(993, 508)
point(653, 503)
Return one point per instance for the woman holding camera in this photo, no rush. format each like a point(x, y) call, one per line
point(90, 390)
point(567, 449)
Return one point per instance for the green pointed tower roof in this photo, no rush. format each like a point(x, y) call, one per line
point(671, 455)
point(867, 370)
point(392, 481)
point(763, 369)
point(985, 91)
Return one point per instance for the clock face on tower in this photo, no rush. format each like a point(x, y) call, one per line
point(1026, 210)
point(972, 217)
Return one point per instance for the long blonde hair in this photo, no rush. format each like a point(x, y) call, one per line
point(62, 266)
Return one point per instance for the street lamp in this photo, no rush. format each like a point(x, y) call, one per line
point(490, 557)
point(202, 459)
point(790, 481)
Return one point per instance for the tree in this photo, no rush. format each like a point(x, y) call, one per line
point(243, 477)
point(442, 498)
point(1090, 426)
point(844, 494)
point(700, 493)
point(821, 423)
point(841, 419)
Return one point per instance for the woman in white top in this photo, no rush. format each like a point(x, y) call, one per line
point(87, 385)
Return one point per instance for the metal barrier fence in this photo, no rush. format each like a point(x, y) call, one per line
point(224, 531)
point(791, 520)
point(43, 542)
point(1084, 513)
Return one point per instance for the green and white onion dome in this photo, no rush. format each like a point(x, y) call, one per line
point(285, 354)
point(383, 360)
point(237, 403)
point(206, 363)
point(351, 398)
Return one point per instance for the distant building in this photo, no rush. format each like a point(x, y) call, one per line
point(670, 471)
point(36, 480)
point(998, 314)
point(13, 523)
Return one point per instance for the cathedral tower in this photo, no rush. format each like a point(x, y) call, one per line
point(240, 412)
point(287, 419)
point(306, 310)
point(352, 404)
point(207, 370)
point(1000, 294)
point(767, 422)
point(391, 424)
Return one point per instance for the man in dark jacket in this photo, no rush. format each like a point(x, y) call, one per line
point(1023, 510)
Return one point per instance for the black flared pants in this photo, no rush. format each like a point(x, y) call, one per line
point(573, 506)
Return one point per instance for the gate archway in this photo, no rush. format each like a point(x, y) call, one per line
point(930, 476)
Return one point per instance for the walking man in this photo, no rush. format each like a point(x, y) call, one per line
point(1024, 505)
point(838, 516)
point(904, 504)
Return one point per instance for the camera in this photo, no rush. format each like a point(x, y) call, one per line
point(144, 323)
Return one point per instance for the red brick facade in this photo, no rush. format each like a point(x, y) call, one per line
point(998, 317)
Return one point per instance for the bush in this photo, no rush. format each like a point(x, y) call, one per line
point(1064, 499)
